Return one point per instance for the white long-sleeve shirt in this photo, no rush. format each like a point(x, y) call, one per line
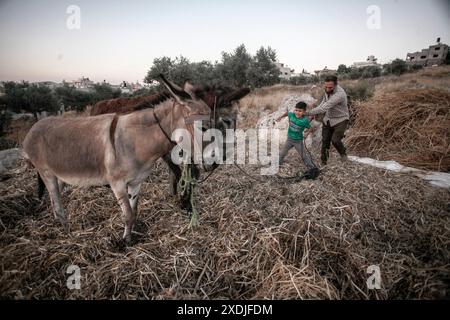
point(335, 107)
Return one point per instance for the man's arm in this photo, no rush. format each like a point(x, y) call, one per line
point(326, 105)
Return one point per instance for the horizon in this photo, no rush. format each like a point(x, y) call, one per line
point(47, 40)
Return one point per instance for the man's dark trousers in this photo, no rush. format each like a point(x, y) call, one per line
point(333, 135)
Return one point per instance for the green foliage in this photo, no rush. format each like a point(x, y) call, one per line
point(415, 67)
point(398, 67)
point(104, 92)
point(297, 81)
point(72, 98)
point(181, 70)
point(29, 97)
point(447, 58)
point(343, 69)
point(40, 98)
point(14, 98)
point(162, 65)
point(144, 92)
point(363, 73)
point(371, 72)
point(359, 91)
point(301, 80)
point(263, 71)
point(5, 119)
point(234, 67)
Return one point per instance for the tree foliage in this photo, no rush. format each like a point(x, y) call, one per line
point(343, 69)
point(263, 71)
point(34, 98)
point(71, 98)
point(236, 69)
point(398, 67)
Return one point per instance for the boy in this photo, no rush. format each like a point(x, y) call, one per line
point(297, 124)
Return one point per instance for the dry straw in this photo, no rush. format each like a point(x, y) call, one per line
point(275, 239)
point(410, 126)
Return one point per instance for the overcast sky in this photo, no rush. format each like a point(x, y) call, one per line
point(118, 40)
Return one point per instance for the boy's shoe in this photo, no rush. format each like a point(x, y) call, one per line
point(312, 174)
point(344, 157)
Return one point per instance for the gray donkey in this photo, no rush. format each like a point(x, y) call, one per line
point(115, 150)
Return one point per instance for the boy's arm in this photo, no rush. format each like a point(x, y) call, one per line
point(307, 132)
point(282, 116)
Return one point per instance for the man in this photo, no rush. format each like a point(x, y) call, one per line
point(335, 122)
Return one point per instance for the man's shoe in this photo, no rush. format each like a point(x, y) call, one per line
point(344, 157)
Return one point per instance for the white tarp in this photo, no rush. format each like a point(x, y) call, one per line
point(438, 179)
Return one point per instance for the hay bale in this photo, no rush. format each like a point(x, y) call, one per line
point(409, 126)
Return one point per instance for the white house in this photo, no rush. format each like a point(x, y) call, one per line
point(371, 61)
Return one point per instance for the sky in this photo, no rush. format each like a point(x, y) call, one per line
point(117, 40)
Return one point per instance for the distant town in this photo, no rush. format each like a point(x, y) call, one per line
point(87, 85)
point(434, 55)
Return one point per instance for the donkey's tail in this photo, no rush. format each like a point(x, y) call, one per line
point(41, 186)
point(29, 165)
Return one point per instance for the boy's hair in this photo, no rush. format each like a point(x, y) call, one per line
point(331, 78)
point(300, 105)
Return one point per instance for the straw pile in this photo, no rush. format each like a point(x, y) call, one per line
point(276, 239)
point(409, 126)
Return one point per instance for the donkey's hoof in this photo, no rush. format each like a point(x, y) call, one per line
point(185, 205)
point(127, 240)
point(66, 227)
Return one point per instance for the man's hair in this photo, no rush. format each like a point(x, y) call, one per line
point(331, 78)
point(300, 105)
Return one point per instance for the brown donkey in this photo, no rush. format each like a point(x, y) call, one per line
point(108, 149)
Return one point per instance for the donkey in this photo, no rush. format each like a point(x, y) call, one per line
point(221, 99)
point(113, 150)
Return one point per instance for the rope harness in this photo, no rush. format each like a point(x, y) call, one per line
point(187, 181)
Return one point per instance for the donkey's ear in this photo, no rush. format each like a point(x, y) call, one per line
point(237, 95)
point(190, 89)
point(175, 90)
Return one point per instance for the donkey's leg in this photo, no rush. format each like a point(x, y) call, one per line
point(133, 196)
point(174, 174)
point(128, 217)
point(51, 183)
point(61, 186)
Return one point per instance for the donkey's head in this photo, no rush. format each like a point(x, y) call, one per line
point(189, 113)
point(188, 107)
point(224, 103)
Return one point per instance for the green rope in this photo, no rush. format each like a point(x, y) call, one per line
point(186, 184)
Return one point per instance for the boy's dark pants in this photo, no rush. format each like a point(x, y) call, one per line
point(333, 135)
point(298, 145)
